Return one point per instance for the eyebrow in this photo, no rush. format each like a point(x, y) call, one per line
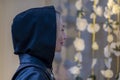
point(58, 12)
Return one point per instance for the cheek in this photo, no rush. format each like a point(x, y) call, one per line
point(58, 40)
point(59, 36)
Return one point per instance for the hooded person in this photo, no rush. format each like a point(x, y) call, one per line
point(35, 40)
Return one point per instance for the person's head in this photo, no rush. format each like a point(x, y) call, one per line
point(61, 36)
point(38, 32)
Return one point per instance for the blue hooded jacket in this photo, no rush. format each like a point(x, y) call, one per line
point(34, 40)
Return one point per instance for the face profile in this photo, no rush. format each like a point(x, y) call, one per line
point(61, 36)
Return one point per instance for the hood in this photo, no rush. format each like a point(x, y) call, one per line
point(34, 33)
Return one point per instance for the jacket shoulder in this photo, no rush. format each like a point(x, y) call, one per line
point(31, 73)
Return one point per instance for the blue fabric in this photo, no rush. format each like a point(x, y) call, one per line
point(32, 68)
point(34, 33)
point(34, 41)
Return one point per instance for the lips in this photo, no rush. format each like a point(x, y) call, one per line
point(62, 43)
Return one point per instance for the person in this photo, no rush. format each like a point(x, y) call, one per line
point(37, 33)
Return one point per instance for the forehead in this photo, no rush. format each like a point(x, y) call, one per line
point(58, 18)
